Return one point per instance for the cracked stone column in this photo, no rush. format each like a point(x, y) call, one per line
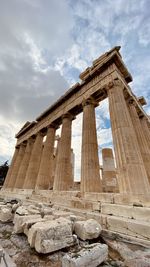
point(17, 164)
point(24, 164)
point(63, 178)
point(45, 176)
point(109, 180)
point(132, 176)
point(90, 169)
point(34, 163)
point(142, 142)
point(146, 129)
point(7, 182)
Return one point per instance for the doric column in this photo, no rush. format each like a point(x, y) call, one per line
point(109, 179)
point(63, 178)
point(132, 177)
point(55, 156)
point(7, 182)
point(90, 169)
point(45, 175)
point(24, 164)
point(34, 164)
point(146, 129)
point(142, 142)
point(17, 164)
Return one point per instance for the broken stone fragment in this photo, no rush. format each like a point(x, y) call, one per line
point(59, 213)
point(87, 230)
point(5, 214)
point(30, 221)
point(25, 210)
point(12, 201)
point(51, 236)
point(22, 211)
point(19, 222)
point(32, 209)
point(137, 263)
point(46, 211)
point(91, 255)
point(15, 207)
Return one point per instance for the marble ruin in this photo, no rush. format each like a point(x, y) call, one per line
point(32, 165)
point(116, 195)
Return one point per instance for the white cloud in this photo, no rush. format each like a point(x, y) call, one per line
point(144, 33)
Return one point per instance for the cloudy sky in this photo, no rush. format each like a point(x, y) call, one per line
point(44, 45)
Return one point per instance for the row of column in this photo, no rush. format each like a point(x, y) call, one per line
point(130, 142)
point(32, 164)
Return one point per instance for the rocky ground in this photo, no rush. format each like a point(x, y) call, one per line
point(16, 245)
point(17, 230)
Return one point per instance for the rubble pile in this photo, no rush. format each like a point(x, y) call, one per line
point(41, 235)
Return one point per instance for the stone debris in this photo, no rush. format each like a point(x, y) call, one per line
point(86, 230)
point(90, 255)
point(5, 259)
point(15, 206)
point(5, 214)
point(51, 236)
point(133, 255)
point(25, 210)
point(60, 213)
point(31, 221)
point(20, 222)
point(22, 210)
point(51, 230)
point(46, 211)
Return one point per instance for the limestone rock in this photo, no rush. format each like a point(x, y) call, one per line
point(22, 211)
point(26, 210)
point(59, 213)
point(15, 207)
point(5, 214)
point(89, 229)
point(4, 257)
point(19, 222)
point(32, 209)
point(51, 236)
point(46, 211)
point(30, 221)
point(137, 263)
point(91, 255)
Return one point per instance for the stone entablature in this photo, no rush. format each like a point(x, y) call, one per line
point(107, 77)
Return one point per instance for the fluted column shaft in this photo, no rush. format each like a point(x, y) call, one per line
point(45, 175)
point(142, 142)
point(16, 166)
point(109, 180)
point(24, 165)
point(132, 176)
point(90, 171)
point(34, 163)
point(63, 178)
point(146, 129)
point(7, 182)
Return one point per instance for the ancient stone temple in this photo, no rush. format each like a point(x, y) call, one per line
point(32, 165)
point(120, 197)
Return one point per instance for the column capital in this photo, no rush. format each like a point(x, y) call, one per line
point(40, 133)
point(68, 116)
point(114, 83)
point(90, 101)
point(131, 101)
point(31, 139)
point(53, 125)
point(23, 144)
